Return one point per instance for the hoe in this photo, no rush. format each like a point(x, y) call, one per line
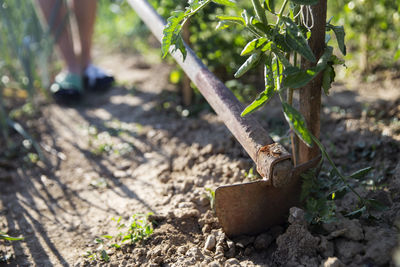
point(246, 208)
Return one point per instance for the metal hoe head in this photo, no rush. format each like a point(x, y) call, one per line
point(254, 207)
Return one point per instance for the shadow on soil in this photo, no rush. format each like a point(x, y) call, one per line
point(354, 143)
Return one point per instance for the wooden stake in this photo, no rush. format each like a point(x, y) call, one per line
point(310, 95)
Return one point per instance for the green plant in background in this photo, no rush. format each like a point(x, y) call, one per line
point(25, 49)
point(280, 39)
point(372, 27)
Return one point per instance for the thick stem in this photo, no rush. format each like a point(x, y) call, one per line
point(310, 95)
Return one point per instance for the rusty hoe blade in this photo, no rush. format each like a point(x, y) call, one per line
point(243, 208)
point(252, 208)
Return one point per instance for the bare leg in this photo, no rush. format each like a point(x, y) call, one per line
point(85, 12)
point(64, 40)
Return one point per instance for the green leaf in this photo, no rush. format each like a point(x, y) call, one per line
point(171, 32)
point(225, 2)
point(298, 123)
point(248, 64)
point(296, 78)
point(279, 40)
point(10, 238)
point(397, 55)
point(233, 19)
point(261, 99)
point(253, 45)
point(104, 256)
point(357, 213)
point(299, 78)
point(305, 2)
point(260, 11)
point(328, 78)
point(295, 40)
point(277, 70)
point(270, 5)
point(261, 27)
point(268, 93)
point(268, 72)
point(361, 173)
point(323, 61)
point(340, 34)
point(327, 38)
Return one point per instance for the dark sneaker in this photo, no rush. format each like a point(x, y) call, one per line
point(67, 88)
point(96, 79)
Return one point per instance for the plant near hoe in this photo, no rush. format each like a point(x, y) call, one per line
point(280, 39)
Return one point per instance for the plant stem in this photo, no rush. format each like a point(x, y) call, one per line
point(281, 11)
point(341, 176)
point(195, 11)
point(260, 11)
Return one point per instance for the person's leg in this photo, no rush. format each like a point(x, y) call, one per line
point(85, 13)
point(95, 79)
point(56, 10)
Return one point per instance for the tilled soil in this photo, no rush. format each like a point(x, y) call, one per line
point(134, 150)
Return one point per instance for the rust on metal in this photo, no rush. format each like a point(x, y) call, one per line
point(252, 208)
point(270, 155)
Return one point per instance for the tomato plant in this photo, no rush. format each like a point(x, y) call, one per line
point(280, 43)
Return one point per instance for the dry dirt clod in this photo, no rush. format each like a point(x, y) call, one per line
point(244, 240)
point(296, 242)
point(210, 242)
point(262, 241)
point(332, 262)
point(248, 251)
point(380, 244)
point(347, 249)
point(186, 213)
point(232, 262)
point(194, 252)
point(296, 215)
point(325, 247)
point(214, 264)
point(354, 229)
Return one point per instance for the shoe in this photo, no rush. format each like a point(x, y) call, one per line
point(67, 88)
point(96, 79)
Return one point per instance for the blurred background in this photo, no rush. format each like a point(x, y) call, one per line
point(28, 62)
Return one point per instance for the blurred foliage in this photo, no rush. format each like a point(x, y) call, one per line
point(219, 50)
point(25, 68)
point(116, 20)
point(372, 31)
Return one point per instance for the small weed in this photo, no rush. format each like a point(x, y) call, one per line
point(211, 197)
point(99, 183)
point(4, 236)
point(101, 143)
point(252, 175)
point(319, 195)
point(137, 228)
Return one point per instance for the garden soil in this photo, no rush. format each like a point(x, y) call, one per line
point(135, 150)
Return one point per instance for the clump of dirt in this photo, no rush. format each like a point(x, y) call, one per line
point(128, 152)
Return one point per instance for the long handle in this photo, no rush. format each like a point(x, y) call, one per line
point(250, 134)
